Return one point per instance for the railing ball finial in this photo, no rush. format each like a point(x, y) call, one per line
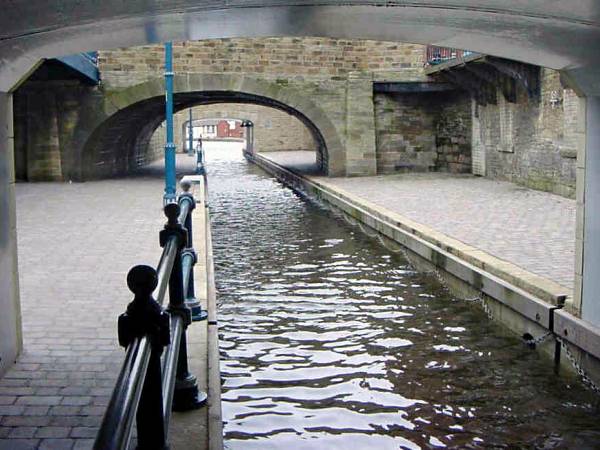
point(142, 280)
point(185, 185)
point(172, 211)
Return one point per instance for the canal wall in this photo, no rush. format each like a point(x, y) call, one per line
point(528, 305)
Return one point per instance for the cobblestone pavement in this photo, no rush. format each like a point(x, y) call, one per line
point(76, 245)
point(532, 229)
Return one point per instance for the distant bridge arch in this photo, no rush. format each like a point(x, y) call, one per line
point(131, 115)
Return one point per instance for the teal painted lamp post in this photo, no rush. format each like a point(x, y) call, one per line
point(170, 177)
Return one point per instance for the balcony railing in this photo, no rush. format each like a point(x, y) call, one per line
point(437, 55)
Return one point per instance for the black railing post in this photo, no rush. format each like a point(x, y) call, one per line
point(145, 317)
point(189, 255)
point(186, 395)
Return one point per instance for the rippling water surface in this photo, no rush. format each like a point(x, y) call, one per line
point(329, 341)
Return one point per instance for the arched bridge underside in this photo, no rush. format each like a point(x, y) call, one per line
point(131, 116)
point(560, 35)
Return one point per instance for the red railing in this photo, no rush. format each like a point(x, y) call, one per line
point(437, 55)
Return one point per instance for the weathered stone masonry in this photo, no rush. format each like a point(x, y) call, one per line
point(106, 133)
point(423, 132)
point(298, 59)
point(336, 74)
point(533, 141)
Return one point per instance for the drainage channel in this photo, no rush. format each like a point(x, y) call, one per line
point(329, 340)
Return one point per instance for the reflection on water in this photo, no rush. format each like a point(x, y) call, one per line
point(329, 341)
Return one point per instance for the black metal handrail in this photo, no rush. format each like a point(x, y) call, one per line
point(147, 387)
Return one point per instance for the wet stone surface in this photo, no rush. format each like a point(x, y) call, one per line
point(330, 341)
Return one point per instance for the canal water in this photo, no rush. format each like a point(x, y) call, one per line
point(330, 341)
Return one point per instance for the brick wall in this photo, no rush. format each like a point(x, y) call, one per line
point(533, 141)
point(305, 58)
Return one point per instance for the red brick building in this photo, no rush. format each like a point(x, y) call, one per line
point(226, 130)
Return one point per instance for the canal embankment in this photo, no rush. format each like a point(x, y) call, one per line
point(527, 303)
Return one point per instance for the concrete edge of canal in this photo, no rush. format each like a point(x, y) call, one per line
point(527, 304)
point(202, 428)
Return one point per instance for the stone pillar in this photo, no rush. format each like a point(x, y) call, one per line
point(360, 125)
point(68, 109)
point(587, 288)
point(43, 152)
point(10, 311)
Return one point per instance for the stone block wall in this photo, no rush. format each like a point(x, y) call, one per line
point(151, 148)
point(274, 130)
point(421, 132)
point(533, 142)
point(310, 58)
point(51, 127)
point(405, 133)
point(453, 133)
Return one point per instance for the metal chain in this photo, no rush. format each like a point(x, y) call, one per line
point(486, 308)
point(538, 340)
point(584, 377)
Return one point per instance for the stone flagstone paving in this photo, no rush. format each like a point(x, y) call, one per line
point(76, 244)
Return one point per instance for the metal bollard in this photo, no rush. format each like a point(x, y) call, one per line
point(186, 395)
point(145, 317)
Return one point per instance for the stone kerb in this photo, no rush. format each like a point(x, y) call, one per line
point(301, 98)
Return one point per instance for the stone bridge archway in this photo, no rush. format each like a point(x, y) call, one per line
point(130, 116)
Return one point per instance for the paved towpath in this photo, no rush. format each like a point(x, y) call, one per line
point(76, 245)
point(531, 229)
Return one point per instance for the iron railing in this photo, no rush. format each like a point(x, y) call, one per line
point(154, 378)
point(437, 55)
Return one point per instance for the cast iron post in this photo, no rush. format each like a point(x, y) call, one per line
point(145, 317)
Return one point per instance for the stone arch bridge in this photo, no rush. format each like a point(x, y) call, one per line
point(111, 128)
